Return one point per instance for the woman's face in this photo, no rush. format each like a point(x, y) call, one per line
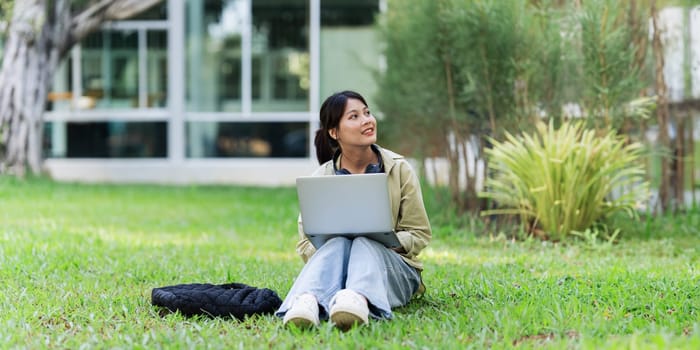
point(357, 126)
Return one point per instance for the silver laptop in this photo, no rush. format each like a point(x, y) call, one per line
point(346, 205)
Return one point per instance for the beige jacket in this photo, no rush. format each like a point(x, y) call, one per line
point(410, 219)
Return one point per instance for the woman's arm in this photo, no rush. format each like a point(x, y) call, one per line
point(413, 226)
point(304, 247)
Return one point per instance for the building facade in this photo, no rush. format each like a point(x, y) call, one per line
point(207, 91)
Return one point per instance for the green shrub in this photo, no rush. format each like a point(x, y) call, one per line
point(565, 180)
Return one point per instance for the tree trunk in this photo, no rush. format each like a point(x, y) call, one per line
point(31, 57)
point(41, 33)
point(470, 191)
point(662, 111)
point(454, 138)
point(680, 159)
point(691, 157)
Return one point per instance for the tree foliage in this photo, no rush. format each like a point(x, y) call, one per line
point(561, 181)
point(412, 87)
point(459, 70)
point(5, 14)
point(451, 68)
point(613, 43)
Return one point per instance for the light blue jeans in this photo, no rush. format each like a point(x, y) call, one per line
point(360, 264)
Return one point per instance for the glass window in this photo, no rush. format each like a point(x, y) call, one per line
point(60, 98)
point(213, 55)
point(348, 13)
point(105, 139)
point(110, 69)
point(247, 139)
point(280, 50)
point(157, 12)
point(157, 68)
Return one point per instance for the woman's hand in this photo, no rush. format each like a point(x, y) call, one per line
point(399, 250)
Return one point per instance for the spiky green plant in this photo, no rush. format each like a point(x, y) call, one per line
point(565, 180)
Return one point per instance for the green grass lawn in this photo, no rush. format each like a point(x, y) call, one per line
point(78, 263)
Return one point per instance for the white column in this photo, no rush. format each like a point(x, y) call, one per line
point(315, 54)
point(77, 74)
point(176, 80)
point(695, 51)
point(314, 70)
point(59, 143)
point(143, 69)
point(671, 24)
point(246, 58)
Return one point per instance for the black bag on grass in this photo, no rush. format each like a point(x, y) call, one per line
point(234, 299)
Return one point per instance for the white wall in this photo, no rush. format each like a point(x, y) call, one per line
point(677, 51)
point(348, 57)
point(259, 172)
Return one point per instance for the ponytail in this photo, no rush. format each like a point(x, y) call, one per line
point(325, 146)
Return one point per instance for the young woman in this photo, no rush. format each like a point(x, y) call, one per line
point(350, 280)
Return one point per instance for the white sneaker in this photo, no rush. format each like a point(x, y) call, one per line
point(304, 311)
point(349, 308)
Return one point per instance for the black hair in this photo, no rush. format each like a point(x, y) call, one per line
point(331, 112)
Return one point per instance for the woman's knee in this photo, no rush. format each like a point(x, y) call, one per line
point(334, 249)
point(336, 243)
point(367, 242)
